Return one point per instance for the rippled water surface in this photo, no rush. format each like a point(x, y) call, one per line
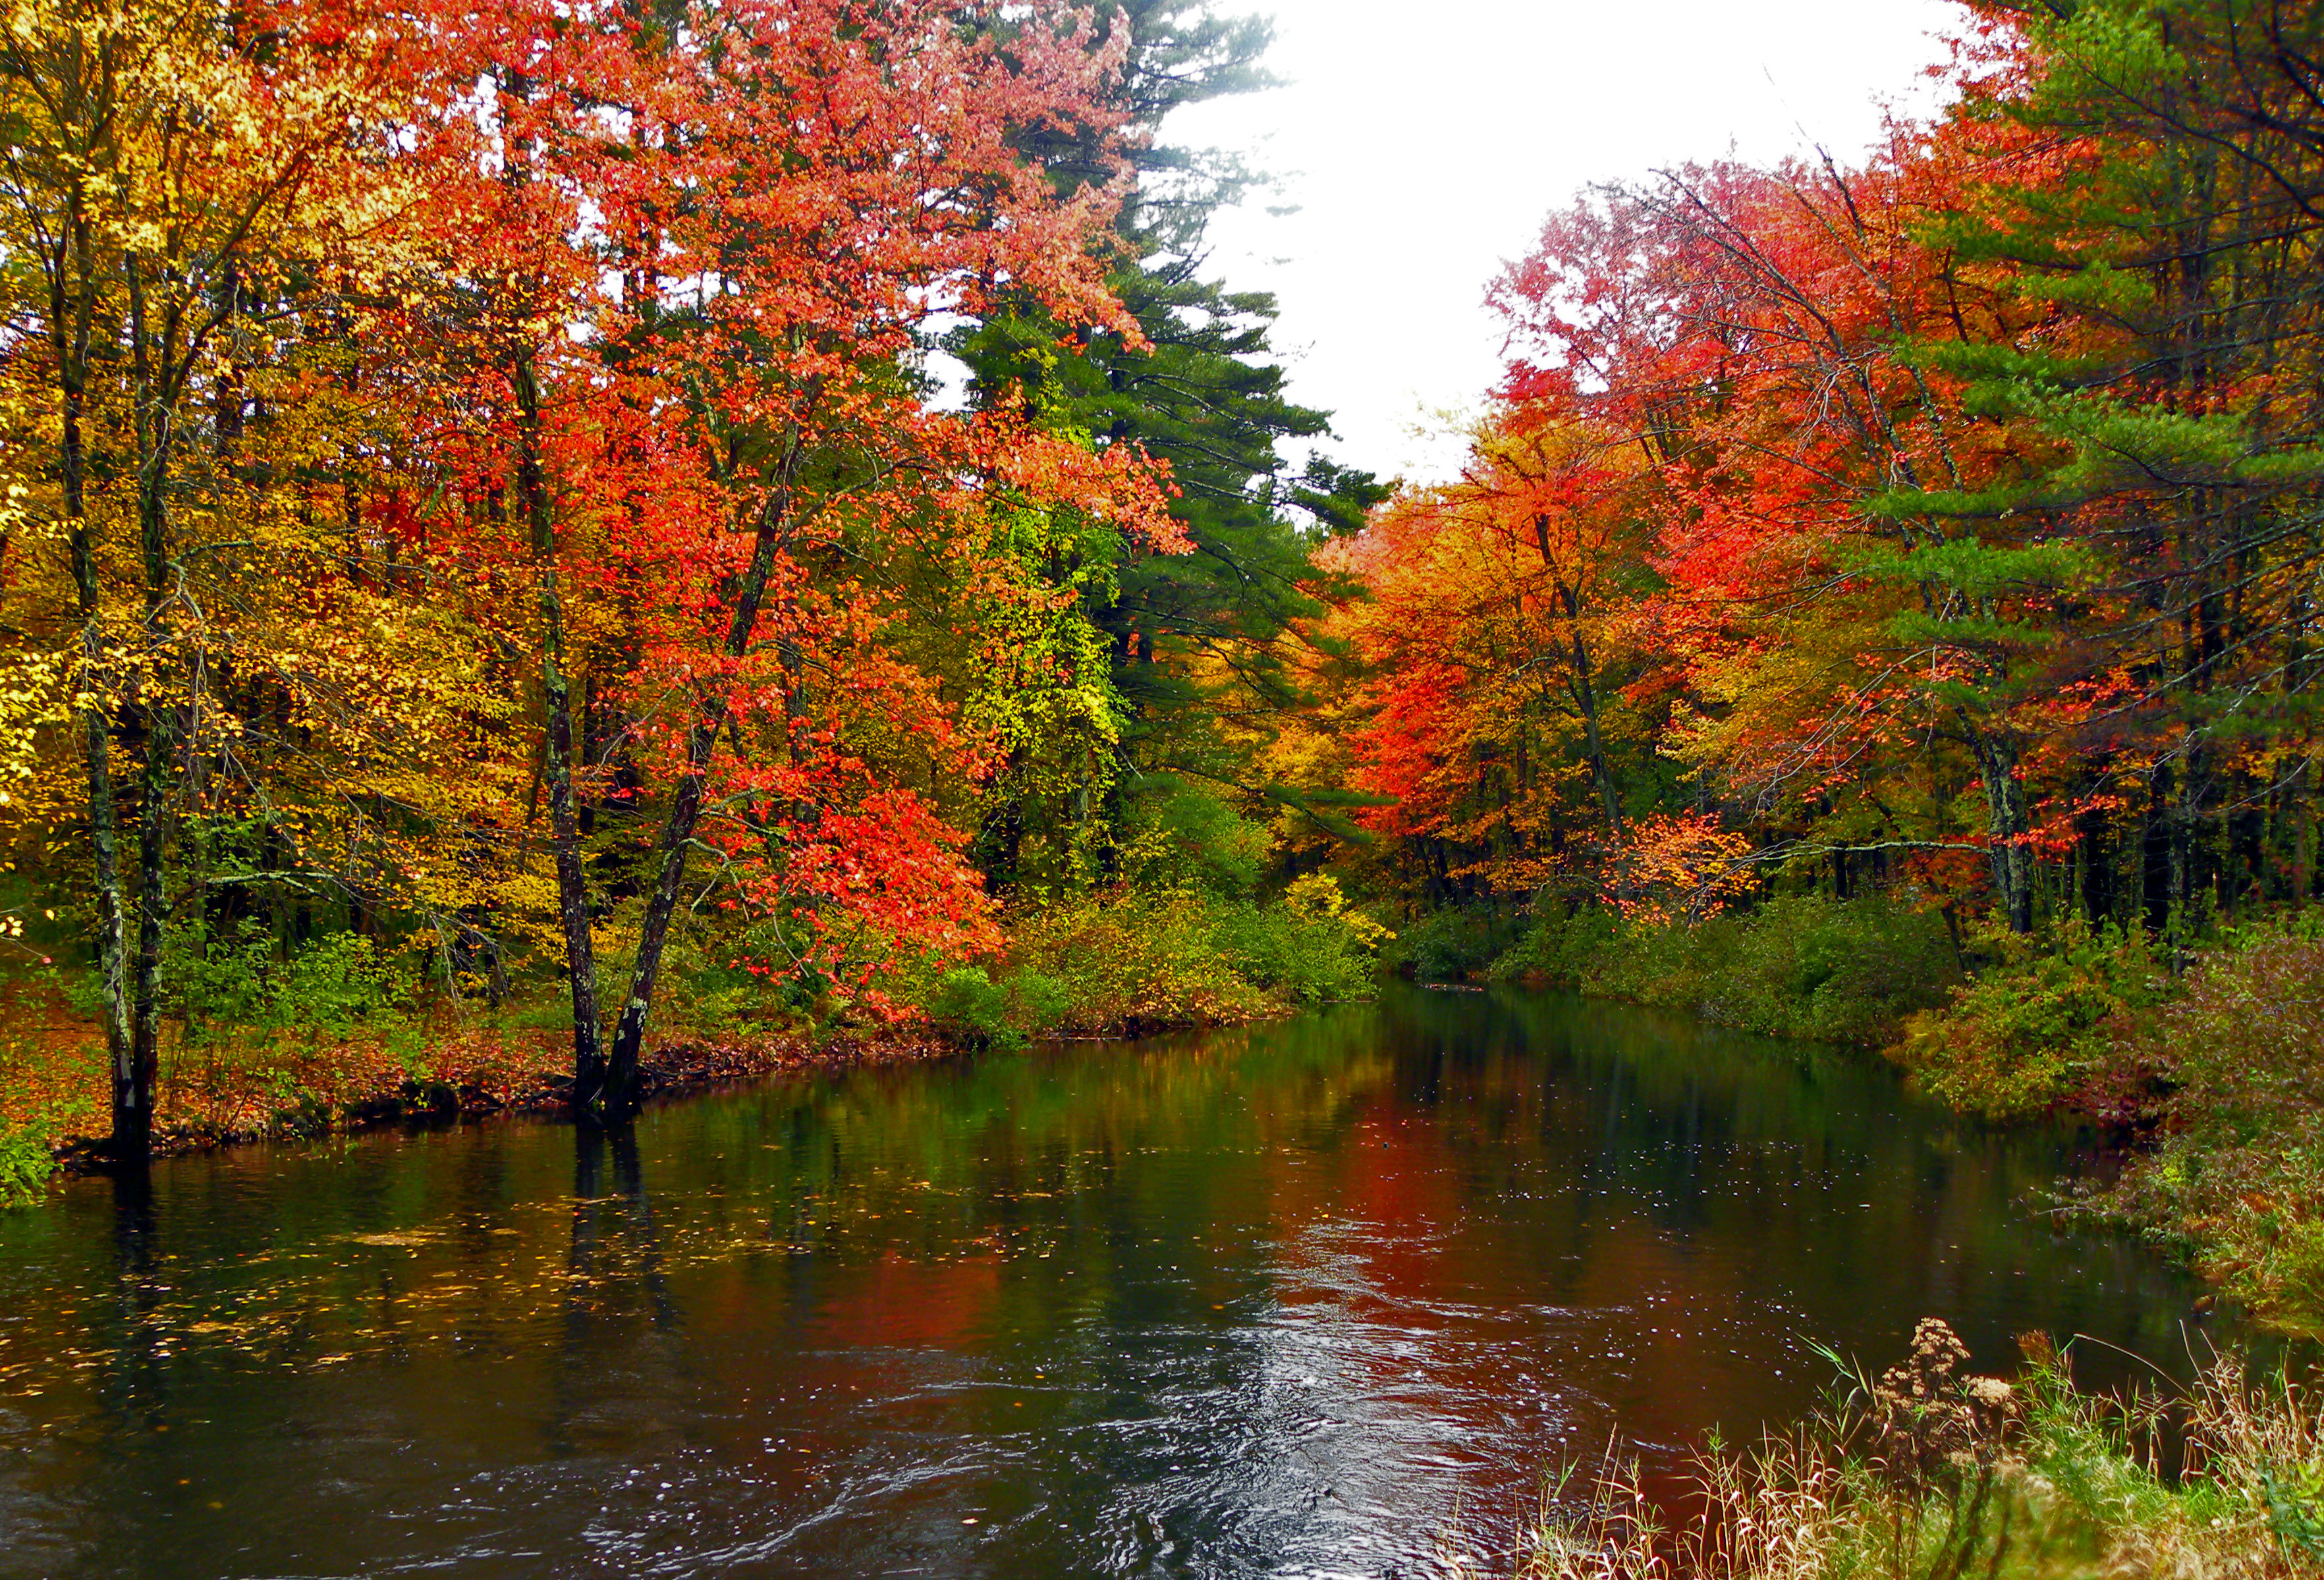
point(1272, 1302)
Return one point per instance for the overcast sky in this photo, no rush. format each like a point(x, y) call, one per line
point(1424, 141)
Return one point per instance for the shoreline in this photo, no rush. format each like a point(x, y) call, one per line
point(679, 1070)
point(686, 1067)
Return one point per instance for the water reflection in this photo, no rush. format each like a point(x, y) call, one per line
point(619, 1378)
point(1259, 1302)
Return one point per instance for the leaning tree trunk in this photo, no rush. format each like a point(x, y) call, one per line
point(621, 1091)
point(589, 1073)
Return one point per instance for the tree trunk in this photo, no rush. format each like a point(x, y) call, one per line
point(152, 911)
point(2179, 829)
point(1585, 698)
point(138, 981)
point(157, 716)
point(999, 847)
point(1584, 689)
point(621, 1094)
point(589, 1071)
point(133, 1128)
point(72, 303)
point(2006, 826)
point(2303, 850)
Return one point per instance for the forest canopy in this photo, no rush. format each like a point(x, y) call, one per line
point(1943, 523)
point(523, 506)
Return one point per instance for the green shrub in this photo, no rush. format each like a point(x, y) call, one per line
point(1849, 972)
point(974, 1010)
point(242, 983)
point(2039, 1028)
point(1189, 839)
point(709, 990)
point(1129, 959)
point(25, 1165)
point(1460, 941)
point(1314, 947)
point(1798, 967)
point(1683, 965)
point(1557, 950)
point(2234, 1070)
point(972, 1007)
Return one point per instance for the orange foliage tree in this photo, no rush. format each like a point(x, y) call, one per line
point(662, 364)
point(448, 418)
point(1974, 492)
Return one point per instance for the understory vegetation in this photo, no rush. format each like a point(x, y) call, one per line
point(1800, 966)
point(268, 1041)
point(1131, 961)
point(2207, 1061)
point(262, 1037)
point(1928, 1474)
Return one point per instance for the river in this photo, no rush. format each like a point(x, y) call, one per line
point(1281, 1300)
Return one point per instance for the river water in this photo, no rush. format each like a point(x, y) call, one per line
point(1292, 1299)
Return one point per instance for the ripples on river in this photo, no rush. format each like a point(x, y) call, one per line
point(1290, 1301)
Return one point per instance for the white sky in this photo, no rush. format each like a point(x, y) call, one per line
point(1423, 144)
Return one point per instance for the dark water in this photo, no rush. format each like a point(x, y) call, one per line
point(1262, 1302)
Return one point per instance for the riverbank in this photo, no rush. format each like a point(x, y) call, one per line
point(1928, 1472)
point(53, 1102)
point(265, 1042)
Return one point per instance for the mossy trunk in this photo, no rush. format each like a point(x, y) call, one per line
point(2008, 827)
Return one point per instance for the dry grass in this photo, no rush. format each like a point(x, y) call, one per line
point(1972, 1479)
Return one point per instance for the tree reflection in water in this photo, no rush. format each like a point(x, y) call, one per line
point(620, 1379)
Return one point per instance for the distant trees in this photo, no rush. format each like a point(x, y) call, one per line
point(1975, 506)
point(1192, 661)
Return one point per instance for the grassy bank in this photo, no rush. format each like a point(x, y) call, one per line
point(1926, 1473)
point(265, 1041)
point(1127, 961)
point(246, 1083)
point(2213, 1062)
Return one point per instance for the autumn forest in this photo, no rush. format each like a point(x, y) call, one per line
point(511, 497)
point(556, 552)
